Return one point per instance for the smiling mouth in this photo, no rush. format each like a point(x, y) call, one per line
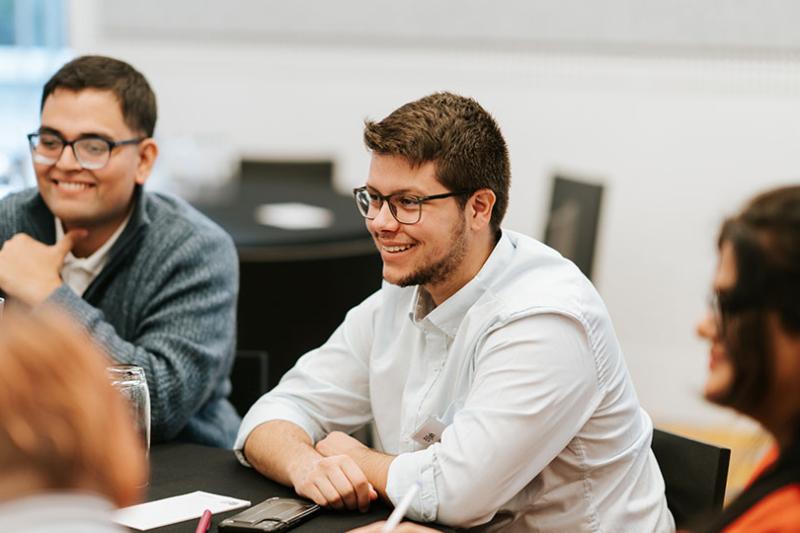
point(72, 185)
point(396, 249)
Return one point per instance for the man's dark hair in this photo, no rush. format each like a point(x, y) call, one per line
point(765, 237)
point(455, 133)
point(136, 98)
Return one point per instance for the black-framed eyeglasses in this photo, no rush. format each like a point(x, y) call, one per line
point(405, 208)
point(92, 153)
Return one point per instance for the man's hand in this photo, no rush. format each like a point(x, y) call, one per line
point(335, 482)
point(375, 465)
point(284, 452)
point(30, 270)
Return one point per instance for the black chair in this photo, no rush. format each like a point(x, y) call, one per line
point(695, 475)
point(574, 219)
point(289, 307)
point(249, 377)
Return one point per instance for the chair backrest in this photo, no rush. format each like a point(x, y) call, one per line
point(249, 378)
point(695, 475)
point(574, 219)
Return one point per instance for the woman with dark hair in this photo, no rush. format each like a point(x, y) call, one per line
point(754, 332)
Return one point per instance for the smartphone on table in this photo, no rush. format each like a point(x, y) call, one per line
point(273, 514)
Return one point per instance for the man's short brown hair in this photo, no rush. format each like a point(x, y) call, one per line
point(455, 133)
point(136, 98)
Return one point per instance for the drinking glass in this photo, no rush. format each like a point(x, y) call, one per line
point(130, 381)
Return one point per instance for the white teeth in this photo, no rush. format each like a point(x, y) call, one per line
point(73, 186)
point(397, 248)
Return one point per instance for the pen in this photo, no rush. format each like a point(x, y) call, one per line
point(401, 509)
point(204, 523)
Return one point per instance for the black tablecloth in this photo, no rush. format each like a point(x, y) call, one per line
point(179, 468)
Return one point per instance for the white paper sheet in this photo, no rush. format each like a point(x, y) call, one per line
point(175, 509)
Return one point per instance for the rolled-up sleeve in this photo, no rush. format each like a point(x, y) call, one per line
point(410, 468)
point(535, 385)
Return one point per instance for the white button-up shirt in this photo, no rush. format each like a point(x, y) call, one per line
point(542, 430)
point(79, 273)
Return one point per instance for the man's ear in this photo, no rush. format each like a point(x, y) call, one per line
point(148, 152)
point(479, 208)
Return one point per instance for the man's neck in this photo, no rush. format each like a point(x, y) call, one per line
point(90, 244)
point(96, 236)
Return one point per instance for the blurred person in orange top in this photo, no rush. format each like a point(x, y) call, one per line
point(69, 453)
point(754, 333)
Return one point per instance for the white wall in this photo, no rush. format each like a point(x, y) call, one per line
point(680, 140)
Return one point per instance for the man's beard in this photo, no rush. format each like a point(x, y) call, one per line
point(439, 271)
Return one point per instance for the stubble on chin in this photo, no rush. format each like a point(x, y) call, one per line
point(437, 272)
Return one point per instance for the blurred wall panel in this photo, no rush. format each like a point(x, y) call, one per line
point(633, 26)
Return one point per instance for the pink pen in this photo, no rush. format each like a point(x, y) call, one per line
point(204, 523)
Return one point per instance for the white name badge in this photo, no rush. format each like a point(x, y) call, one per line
point(429, 432)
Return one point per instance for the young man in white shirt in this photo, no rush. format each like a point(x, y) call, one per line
point(486, 364)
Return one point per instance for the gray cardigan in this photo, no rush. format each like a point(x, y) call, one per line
point(165, 301)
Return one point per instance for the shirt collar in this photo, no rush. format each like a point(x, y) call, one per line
point(95, 262)
point(447, 317)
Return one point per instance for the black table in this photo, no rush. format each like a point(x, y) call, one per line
point(269, 183)
point(178, 468)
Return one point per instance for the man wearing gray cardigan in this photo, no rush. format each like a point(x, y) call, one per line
point(151, 279)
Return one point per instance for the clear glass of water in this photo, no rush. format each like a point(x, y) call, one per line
point(130, 381)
